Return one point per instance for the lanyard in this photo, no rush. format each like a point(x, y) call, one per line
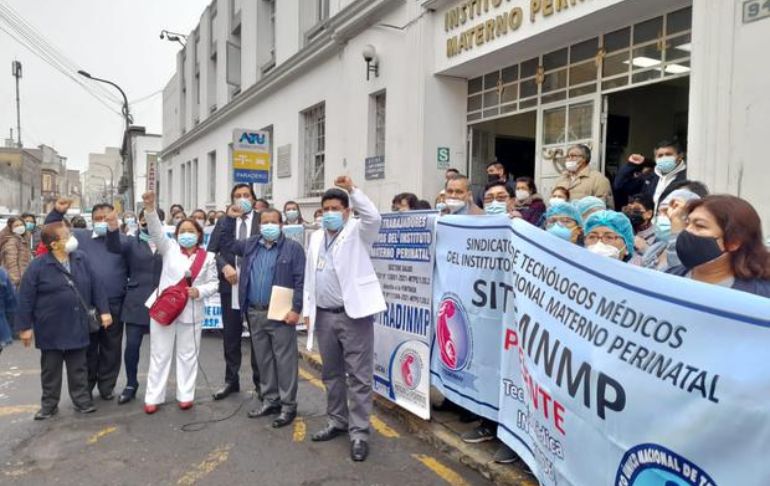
point(328, 243)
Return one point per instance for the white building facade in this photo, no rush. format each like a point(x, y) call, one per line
point(461, 83)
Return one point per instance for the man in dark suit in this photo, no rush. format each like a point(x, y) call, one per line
point(106, 346)
point(229, 269)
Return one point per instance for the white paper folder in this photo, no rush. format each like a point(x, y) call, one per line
point(280, 303)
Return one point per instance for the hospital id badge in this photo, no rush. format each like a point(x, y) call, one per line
point(321, 263)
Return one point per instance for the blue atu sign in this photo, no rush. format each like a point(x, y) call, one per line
point(253, 138)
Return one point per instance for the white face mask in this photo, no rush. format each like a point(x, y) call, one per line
point(20, 230)
point(556, 200)
point(71, 245)
point(455, 205)
point(522, 195)
point(571, 165)
point(603, 249)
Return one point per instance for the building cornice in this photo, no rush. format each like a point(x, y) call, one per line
point(338, 30)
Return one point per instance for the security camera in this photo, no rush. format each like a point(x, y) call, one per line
point(369, 53)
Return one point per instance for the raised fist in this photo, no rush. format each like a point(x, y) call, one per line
point(344, 182)
point(63, 204)
point(148, 198)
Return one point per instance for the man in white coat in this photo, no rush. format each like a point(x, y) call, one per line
point(342, 295)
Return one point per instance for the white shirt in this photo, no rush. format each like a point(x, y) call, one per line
point(249, 219)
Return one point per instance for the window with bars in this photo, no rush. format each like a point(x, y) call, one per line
point(645, 52)
point(314, 149)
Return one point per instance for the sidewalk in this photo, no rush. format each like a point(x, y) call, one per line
point(443, 432)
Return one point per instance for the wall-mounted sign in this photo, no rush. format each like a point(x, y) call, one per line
point(250, 156)
point(755, 10)
point(374, 168)
point(442, 157)
point(283, 161)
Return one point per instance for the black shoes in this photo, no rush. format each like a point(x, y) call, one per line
point(85, 409)
point(43, 414)
point(359, 450)
point(108, 396)
point(284, 419)
point(226, 391)
point(266, 409)
point(129, 393)
point(328, 433)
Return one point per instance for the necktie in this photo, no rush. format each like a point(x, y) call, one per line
point(242, 230)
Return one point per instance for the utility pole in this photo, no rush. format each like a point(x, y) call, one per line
point(16, 71)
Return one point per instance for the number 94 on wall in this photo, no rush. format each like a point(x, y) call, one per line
point(755, 10)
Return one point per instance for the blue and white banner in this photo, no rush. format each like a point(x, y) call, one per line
point(403, 258)
point(616, 375)
point(471, 299)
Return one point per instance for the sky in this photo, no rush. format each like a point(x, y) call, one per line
point(112, 39)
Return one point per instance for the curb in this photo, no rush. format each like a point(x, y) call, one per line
point(446, 440)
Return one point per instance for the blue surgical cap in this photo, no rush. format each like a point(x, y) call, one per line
point(617, 222)
point(564, 209)
point(589, 202)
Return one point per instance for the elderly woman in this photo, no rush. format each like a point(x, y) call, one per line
point(722, 244)
point(527, 203)
point(55, 300)
point(15, 254)
point(661, 255)
point(564, 221)
point(589, 205)
point(610, 234)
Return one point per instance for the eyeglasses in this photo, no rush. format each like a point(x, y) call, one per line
point(502, 197)
point(563, 220)
point(608, 238)
point(574, 156)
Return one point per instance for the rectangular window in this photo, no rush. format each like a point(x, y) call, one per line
point(266, 36)
point(183, 180)
point(378, 115)
point(194, 176)
point(212, 177)
point(314, 149)
point(170, 187)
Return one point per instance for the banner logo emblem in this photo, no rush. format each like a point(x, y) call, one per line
point(453, 334)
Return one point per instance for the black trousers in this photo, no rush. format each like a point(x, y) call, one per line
point(232, 321)
point(105, 353)
point(51, 362)
point(134, 336)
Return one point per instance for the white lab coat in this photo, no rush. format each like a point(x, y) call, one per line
point(361, 292)
point(185, 331)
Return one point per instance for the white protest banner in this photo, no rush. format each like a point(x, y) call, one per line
point(471, 298)
point(403, 257)
point(617, 375)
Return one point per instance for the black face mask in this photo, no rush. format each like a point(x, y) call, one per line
point(494, 177)
point(636, 217)
point(694, 250)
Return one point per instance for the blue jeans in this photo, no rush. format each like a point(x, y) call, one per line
point(6, 337)
point(134, 335)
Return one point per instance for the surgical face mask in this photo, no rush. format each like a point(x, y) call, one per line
point(187, 240)
point(20, 230)
point(663, 228)
point(455, 205)
point(100, 228)
point(603, 249)
point(441, 207)
point(201, 222)
point(71, 245)
point(270, 231)
point(556, 200)
point(571, 165)
point(495, 207)
point(666, 164)
point(130, 221)
point(522, 194)
point(144, 236)
point(245, 204)
point(694, 250)
point(561, 231)
point(332, 220)
point(29, 226)
point(292, 215)
point(319, 220)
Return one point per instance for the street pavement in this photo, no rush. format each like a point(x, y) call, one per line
point(120, 445)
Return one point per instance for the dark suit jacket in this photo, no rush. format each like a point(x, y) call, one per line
point(144, 269)
point(223, 255)
point(52, 308)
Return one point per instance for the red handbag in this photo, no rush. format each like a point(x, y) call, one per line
point(171, 302)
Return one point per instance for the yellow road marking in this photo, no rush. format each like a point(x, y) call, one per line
point(441, 470)
point(306, 375)
point(105, 431)
point(18, 409)
point(384, 429)
point(300, 429)
point(216, 458)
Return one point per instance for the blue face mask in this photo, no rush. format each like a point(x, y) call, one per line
point(332, 220)
point(495, 207)
point(441, 207)
point(30, 226)
point(666, 164)
point(245, 205)
point(187, 240)
point(270, 231)
point(561, 231)
point(100, 228)
point(144, 236)
point(663, 228)
point(292, 214)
